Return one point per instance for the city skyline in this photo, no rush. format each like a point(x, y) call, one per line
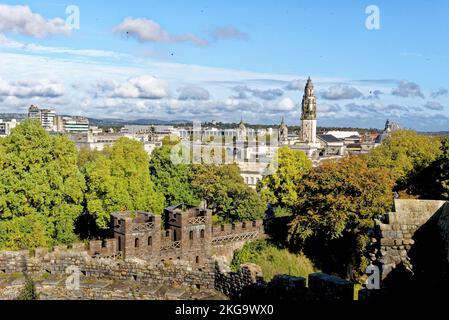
point(225, 62)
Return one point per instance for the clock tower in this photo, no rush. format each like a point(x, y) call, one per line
point(308, 116)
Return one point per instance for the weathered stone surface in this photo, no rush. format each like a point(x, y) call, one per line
point(397, 236)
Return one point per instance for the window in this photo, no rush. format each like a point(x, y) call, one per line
point(222, 227)
point(197, 259)
point(150, 241)
point(254, 223)
point(233, 226)
point(202, 233)
point(243, 225)
point(136, 243)
point(103, 244)
point(119, 240)
point(191, 235)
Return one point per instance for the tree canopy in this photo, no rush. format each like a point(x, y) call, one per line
point(223, 189)
point(173, 180)
point(41, 188)
point(433, 181)
point(281, 187)
point(119, 179)
point(339, 201)
point(405, 153)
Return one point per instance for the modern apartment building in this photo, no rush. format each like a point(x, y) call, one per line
point(75, 124)
point(47, 117)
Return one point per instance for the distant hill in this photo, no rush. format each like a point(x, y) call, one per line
point(116, 122)
point(105, 122)
point(9, 116)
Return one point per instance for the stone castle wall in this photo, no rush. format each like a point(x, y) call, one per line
point(175, 273)
point(188, 235)
point(400, 234)
point(248, 284)
point(109, 278)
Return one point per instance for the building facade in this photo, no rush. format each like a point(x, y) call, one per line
point(7, 126)
point(46, 117)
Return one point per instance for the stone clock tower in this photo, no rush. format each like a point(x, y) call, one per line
point(308, 117)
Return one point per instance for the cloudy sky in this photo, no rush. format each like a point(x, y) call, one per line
point(223, 60)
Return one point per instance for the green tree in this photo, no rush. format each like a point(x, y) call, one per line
point(41, 188)
point(340, 200)
point(119, 179)
point(433, 181)
point(225, 192)
point(405, 154)
point(281, 187)
point(173, 180)
point(441, 171)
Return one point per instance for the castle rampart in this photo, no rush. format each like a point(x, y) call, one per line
point(416, 228)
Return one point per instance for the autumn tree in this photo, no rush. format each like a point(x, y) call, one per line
point(339, 201)
point(281, 187)
point(433, 181)
point(41, 188)
point(225, 192)
point(405, 153)
point(119, 179)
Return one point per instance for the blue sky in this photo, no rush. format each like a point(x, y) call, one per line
point(221, 60)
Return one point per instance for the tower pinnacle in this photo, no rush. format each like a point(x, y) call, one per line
point(309, 102)
point(308, 115)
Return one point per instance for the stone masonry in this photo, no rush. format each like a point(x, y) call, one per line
point(399, 234)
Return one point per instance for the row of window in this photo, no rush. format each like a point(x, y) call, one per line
point(150, 239)
point(137, 242)
point(222, 227)
point(251, 180)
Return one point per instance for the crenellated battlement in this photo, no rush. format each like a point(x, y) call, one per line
point(188, 236)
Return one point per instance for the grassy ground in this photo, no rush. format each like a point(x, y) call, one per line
point(273, 260)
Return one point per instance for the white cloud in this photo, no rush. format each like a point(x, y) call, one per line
point(21, 20)
point(295, 85)
point(267, 94)
point(35, 48)
point(143, 87)
point(286, 104)
point(440, 92)
point(340, 92)
point(407, 89)
point(30, 88)
point(433, 105)
point(146, 30)
point(193, 93)
point(228, 32)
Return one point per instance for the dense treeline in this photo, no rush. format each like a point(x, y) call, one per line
point(221, 186)
point(333, 206)
point(51, 194)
